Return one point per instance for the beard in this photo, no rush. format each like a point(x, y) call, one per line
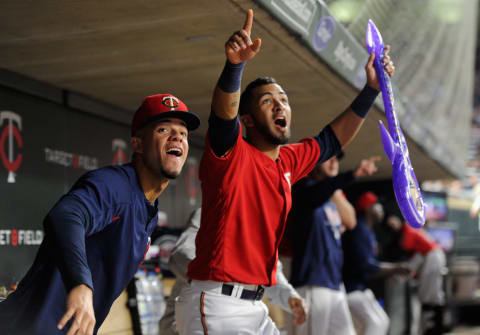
point(269, 136)
point(278, 140)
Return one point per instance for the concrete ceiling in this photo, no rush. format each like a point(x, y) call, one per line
point(120, 51)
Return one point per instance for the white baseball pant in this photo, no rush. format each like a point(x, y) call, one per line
point(368, 316)
point(201, 308)
point(328, 312)
point(430, 278)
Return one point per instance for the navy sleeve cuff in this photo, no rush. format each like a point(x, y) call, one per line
point(364, 101)
point(231, 77)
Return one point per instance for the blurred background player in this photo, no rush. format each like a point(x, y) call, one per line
point(320, 214)
point(428, 263)
point(361, 265)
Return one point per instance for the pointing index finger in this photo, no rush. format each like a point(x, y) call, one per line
point(248, 22)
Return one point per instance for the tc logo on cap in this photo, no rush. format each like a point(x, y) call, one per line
point(170, 102)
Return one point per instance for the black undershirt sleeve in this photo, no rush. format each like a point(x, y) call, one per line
point(329, 144)
point(222, 133)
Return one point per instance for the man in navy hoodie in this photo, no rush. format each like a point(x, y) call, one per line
point(97, 234)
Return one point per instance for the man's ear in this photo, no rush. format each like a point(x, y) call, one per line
point(136, 143)
point(247, 120)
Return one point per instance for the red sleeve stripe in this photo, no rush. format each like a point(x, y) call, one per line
point(202, 313)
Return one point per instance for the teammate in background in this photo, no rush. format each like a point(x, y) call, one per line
point(246, 192)
point(361, 265)
point(97, 234)
point(282, 294)
point(429, 264)
point(320, 214)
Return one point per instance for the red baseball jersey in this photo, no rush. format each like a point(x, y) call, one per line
point(246, 198)
point(415, 240)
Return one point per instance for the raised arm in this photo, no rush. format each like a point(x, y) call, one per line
point(314, 193)
point(366, 167)
point(347, 124)
point(238, 49)
point(223, 124)
point(345, 210)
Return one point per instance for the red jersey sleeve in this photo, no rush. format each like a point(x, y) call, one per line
point(300, 158)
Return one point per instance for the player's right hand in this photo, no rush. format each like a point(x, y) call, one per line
point(80, 307)
point(239, 47)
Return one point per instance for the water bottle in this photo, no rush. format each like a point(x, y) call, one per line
point(150, 305)
point(143, 302)
point(158, 298)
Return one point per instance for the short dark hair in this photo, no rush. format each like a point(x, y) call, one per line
point(340, 154)
point(246, 97)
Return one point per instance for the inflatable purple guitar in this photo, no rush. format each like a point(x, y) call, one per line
point(405, 185)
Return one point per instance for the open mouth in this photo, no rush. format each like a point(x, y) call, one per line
point(281, 122)
point(175, 152)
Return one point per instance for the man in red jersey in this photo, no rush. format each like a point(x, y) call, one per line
point(429, 263)
point(246, 192)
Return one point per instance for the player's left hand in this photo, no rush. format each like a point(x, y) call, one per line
point(80, 307)
point(367, 167)
point(372, 79)
point(298, 308)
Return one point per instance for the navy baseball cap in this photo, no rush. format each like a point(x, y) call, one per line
point(161, 106)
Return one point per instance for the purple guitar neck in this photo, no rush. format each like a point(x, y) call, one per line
point(405, 185)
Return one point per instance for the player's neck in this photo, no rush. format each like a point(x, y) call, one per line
point(152, 185)
point(264, 145)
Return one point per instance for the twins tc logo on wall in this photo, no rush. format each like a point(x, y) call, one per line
point(12, 125)
point(118, 147)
